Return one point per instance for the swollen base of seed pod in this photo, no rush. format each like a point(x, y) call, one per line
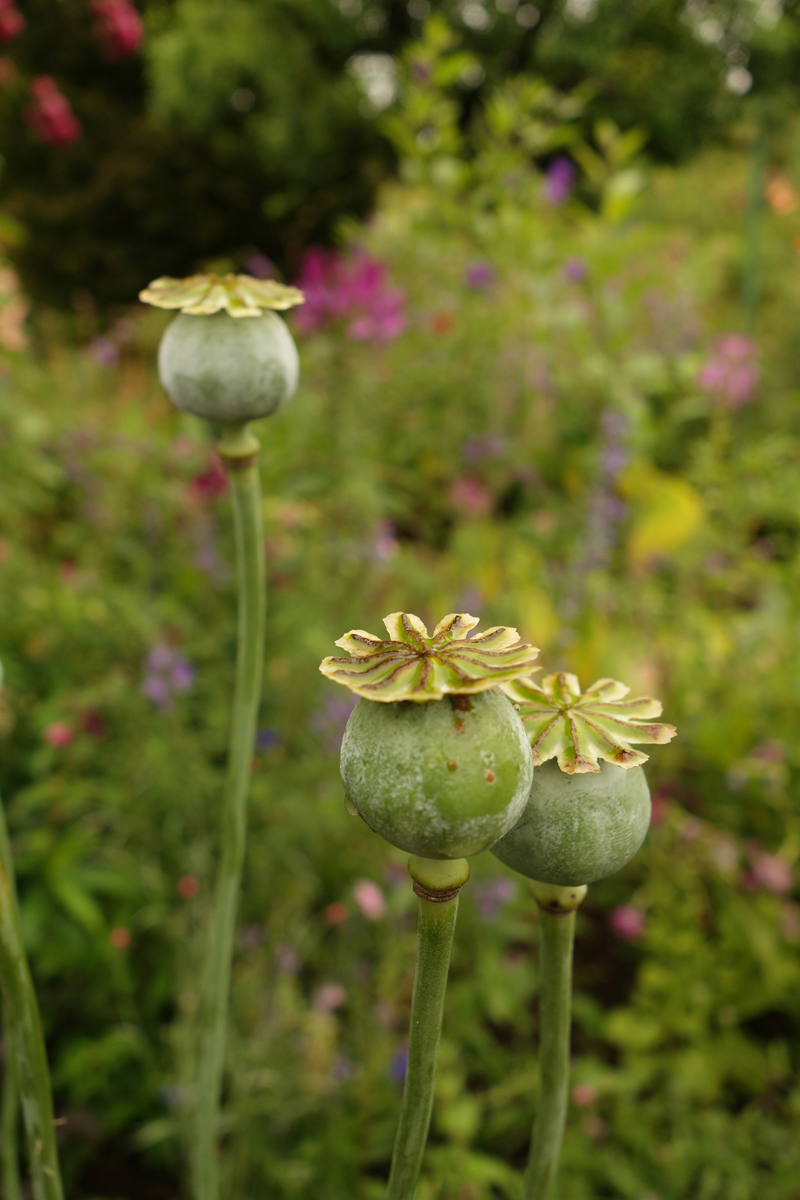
point(226, 369)
point(441, 780)
point(576, 829)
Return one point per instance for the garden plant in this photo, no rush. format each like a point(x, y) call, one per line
point(228, 360)
point(450, 780)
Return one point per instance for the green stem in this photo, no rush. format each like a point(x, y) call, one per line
point(25, 1044)
point(8, 1133)
point(442, 881)
point(215, 994)
point(557, 924)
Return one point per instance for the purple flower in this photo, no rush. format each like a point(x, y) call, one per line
point(353, 289)
point(385, 544)
point(490, 897)
point(331, 719)
point(165, 673)
point(104, 352)
point(287, 960)
point(492, 445)
point(575, 270)
point(260, 266)
point(479, 275)
point(559, 181)
point(731, 374)
point(398, 1066)
point(182, 675)
point(267, 739)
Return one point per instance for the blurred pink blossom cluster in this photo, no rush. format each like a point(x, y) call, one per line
point(12, 21)
point(731, 374)
point(50, 114)
point(355, 290)
point(118, 27)
point(627, 922)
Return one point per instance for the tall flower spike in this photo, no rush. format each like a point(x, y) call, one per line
point(412, 665)
point(578, 727)
point(202, 295)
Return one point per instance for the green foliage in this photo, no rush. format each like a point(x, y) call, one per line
point(249, 125)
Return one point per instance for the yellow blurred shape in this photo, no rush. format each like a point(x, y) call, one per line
point(666, 512)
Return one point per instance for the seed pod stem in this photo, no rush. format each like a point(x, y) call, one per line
point(245, 490)
point(437, 922)
point(25, 1043)
point(557, 925)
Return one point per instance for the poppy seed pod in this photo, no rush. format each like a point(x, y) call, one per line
point(578, 828)
point(228, 369)
point(444, 779)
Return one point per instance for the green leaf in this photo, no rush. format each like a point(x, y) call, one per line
point(578, 728)
point(413, 665)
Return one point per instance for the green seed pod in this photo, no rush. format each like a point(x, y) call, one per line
point(444, 779)
point(578, 828)
point(228, 369)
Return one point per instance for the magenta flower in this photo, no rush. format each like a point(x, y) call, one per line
point(59, 733)
point(559, 181)
point(118, 27)
point(575, 270)
point(50, 116)
point(353, 289)
point(627, 923)
point(479, 275)
point(731, 374)
point(471, 496)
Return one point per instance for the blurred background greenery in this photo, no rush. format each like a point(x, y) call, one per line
point(549, 376)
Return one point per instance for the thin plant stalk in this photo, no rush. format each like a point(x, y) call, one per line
point(9, 1117)
point(557, 932)
point(9, 1128)
point(437, 884)
point(239, 450)
point(29, 1077)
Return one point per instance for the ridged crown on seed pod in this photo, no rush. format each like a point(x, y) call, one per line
point(415, 665)
point(238, 295)
point(578, 728)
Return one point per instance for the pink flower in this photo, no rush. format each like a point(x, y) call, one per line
point(471, 496)
point(58, 734)
point(12, 22)
point(627, 923)
point(356, 289)
point(584, 1095)
point(118, 27)
point(731, 374)
point(370, 899)
point(329, 997)
point(772, 874)
point(50, 116)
